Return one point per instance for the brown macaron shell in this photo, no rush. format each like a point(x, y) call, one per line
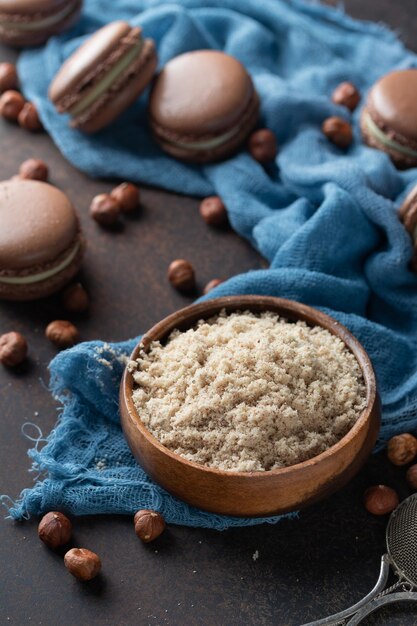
point(124, 93)
point(391, 107)
point(90, 64)
point(18, 20)
point(198, 97)
point(39, 232)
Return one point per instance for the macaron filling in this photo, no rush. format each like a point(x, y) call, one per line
point(107, 81)
point(386, 141)
point(39, 24)
point(40, 276)
point(207, 144)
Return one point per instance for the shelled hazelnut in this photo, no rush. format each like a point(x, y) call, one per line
point(13, 349)
point(411, 477)
point(11, 103)
point(212, 284)
point(104, 209)
point(55, 529)
point(181, 275)
point(402, 449)
point(82, 563)
point(127, 196)
point(62, 333)
point(8, 77)
point(148, 525)
point(28, 118)
point(34, 169)
point(338, 131)
point(347, 95)
point(380, 500)
point(213, 211)
point(75, 299)
point(262, 145)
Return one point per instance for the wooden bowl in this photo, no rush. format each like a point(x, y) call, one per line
point(253, 494)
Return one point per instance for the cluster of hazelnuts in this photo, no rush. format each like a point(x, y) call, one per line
point(181, 273)
point(13, 106)
point(401, 451)
point(335, 128)
point(62, 333)
point(106, 209)
point(55, 530)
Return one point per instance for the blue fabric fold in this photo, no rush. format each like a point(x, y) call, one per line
point(325, 219)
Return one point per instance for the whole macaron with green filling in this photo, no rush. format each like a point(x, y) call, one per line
point(389, 119)
point(104, 76)
point(203, 106)
point(41, 244)
point(32, 22)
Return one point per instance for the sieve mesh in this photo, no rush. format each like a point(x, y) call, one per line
point(402, 539)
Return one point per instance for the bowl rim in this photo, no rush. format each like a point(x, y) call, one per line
point(210, 307)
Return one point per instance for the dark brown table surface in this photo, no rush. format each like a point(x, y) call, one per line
point(307, 568)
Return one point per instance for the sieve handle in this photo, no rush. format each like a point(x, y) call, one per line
point(339, 617)
point(401, 596)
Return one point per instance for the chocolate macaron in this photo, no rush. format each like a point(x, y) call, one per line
point(32, 22)
point(408, 212)
point(408, 216)
point(389, 119)
point(41, 245)
point(104, 76)
point(203, 106)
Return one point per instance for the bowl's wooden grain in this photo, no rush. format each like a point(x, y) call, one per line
point(253, 493)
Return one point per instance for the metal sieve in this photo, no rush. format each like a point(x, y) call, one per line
point(401, 539)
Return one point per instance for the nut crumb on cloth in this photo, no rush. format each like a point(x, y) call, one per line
point(248, 392)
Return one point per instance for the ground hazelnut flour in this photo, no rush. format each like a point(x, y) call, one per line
point(248, 392)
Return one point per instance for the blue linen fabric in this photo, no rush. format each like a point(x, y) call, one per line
point(325, 219)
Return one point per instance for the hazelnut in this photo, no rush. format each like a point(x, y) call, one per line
point(380, 500)
point(338, 131)
point(8, 77)
point(82, 563)
point(402, 449)
point(28, 118)
point(148, 525)
point(11, 103)
point(263, 145)
point(75, 299)
point(104, 209)
point(181, 275)
point(13, 349)
point(55, 529)
point(347, 95)
point(63, 334)
point(127, 196)
point(212, 284)
point(33, 169)
point(213, 211)
point(411, 477)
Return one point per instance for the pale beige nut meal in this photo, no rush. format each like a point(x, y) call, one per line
point(248, 392)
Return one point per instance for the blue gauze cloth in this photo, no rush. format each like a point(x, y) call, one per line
point(325, 219)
